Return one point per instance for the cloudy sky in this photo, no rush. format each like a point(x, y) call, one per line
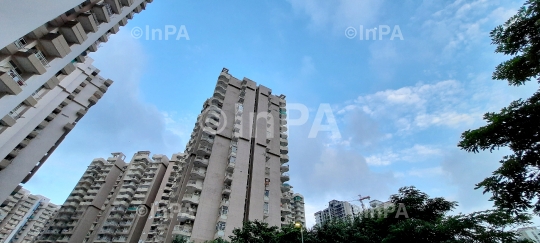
point(400, 105)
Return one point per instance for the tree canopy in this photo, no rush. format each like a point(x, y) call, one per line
point(515, 185)
point(422, 219)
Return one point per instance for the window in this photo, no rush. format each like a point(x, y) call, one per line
point(220, 226)
point(224, 210)
point(266, 193)
point(266, 208)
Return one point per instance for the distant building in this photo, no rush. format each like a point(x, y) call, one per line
point(529, 233)
point(337, 210)
point(23, 216)
point(295, 211)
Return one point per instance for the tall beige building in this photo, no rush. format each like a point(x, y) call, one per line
point(47, 83)
point(233, 169)
point(236, 163)
point(23, 216)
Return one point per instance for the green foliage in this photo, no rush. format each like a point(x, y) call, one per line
point(517, 182)
point(519, 37)
point(427, 222)
point(255, 232)
point(179, 239)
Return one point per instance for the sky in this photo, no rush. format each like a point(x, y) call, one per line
point(400, 104)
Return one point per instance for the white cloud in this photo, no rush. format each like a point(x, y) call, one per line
point(426, 172)
point(416, 153)
point(339, 14)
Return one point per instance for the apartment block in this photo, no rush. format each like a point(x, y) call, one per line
point(233, 169)
point(293, 211)
point(235, 163)
point(112, 200)
point(47, 82)
point(529, 233)
point(337, 210)
point(23, 216)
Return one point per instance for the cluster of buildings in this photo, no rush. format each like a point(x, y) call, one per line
point(234, 168)
point(345, 210)
point(23, 216)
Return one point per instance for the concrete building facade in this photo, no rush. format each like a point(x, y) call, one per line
point(337, 210)
point(23, 216)
point(235, 167)
point(529, 233)
point(47, 82)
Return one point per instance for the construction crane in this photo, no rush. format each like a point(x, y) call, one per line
point(361, 199)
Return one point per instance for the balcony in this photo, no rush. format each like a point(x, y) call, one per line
point(11, 82)
point(73, 32)
point(283, 150)
point(284, 177)
point(191, 198)
point(219, 95)
point(121, 203)
point(7, 120)
point(226, 190)
point(230, 166)
point(228, 178)
point(284, 168)
point(115, 5)
point(55, 45)
point(183, 230)
point(88, 22)
point(285, 187)
point(69, 126)
point(186, 215)
point(103, 12)
point(98, 94)
point(284, 158)
point(30, 62)
point(211, 123)
point(126, 3)
point(198, 174)
point(282, 128)
point(200, 161)
point(204, 150)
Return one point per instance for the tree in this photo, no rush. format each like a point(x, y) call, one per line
point(516, 183)
point(519, 37)
point(179, 239)
point(424, 220)
point(255, 232)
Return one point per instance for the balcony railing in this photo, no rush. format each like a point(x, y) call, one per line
point(16, 77)
point(41, 57)
point(20, 43)
point(109, 9)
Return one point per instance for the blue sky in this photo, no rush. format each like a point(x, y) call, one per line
point(400, 105)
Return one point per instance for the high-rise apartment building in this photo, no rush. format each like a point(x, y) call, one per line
point(294, 211)
point(337, 210)
point(23, 216)
point(111, 201)
point(46, 81)
point(235, 165)
point(233, 169)
point(529, 233)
